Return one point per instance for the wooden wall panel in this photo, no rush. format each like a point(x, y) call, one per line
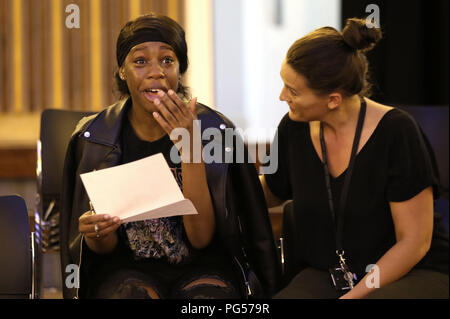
point(18, 56)
point(6, 49)
point(46, 51)
point(106, 47)
point(3, 49)
point(36, 68)
point(44, 64)
point(17, 163)
point(27, 72)
point(84, 44)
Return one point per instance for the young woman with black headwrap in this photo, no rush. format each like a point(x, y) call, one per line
point(194, 256)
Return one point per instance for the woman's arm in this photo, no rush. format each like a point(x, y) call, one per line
point(413, 222)
point(173, 114)
point(199, 228)
point(271, 199)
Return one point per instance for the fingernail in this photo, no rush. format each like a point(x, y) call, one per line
point(171, 92)
point(106, 217)
point(116, 220)
point(161, 93)
point(157, 102)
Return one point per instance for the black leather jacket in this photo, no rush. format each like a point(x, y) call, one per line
point(242, 220)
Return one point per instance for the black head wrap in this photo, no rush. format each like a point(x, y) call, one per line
point(152, 28)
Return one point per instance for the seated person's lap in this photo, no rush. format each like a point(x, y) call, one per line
point(418, 284)
point(311, 283)
point(190, 284)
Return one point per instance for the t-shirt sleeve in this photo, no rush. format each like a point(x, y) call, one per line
point(278, 179)
point(412, 166)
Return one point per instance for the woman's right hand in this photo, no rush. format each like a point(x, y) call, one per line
point(105, 225)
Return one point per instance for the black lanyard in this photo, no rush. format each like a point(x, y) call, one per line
point(340, 222)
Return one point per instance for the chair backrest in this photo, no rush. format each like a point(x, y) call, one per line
point(15, 248)
point(434, 122)
point(56, 129)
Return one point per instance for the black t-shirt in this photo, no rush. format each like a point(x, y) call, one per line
point(133, 148)
point(393, 166)
point(212, 259)
point(161, 237)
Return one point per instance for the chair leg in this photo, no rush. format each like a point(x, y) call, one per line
point(282, 256)
point(33, 267)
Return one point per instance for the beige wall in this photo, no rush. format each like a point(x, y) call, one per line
point(198, 18)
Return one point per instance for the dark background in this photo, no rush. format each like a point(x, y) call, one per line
point(409, 66)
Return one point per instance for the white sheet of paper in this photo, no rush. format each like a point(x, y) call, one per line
point(140, 190)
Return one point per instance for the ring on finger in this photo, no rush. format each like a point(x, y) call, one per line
point(96, 228)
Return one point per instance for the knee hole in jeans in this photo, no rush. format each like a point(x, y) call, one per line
point(132, 289)
point(206, 281)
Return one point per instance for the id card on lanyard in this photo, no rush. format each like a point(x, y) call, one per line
point(342, 277)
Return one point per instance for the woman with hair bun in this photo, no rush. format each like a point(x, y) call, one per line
point(361, 176)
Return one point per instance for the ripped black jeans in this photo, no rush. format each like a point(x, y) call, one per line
point(131, 284)
point(157, 279)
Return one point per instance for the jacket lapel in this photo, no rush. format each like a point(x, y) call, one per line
point(106, 127)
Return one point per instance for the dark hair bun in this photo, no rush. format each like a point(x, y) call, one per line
point(358, 36)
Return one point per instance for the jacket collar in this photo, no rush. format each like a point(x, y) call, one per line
point(106, 126)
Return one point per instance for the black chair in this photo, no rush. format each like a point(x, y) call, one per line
point(433, 121)
point(16, 250)
point(56, 129)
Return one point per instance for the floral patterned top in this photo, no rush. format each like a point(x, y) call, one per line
point(160, 237)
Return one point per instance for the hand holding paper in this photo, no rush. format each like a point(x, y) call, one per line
point(140, 190)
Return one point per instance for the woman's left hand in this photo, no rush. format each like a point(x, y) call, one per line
point(174, 113)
